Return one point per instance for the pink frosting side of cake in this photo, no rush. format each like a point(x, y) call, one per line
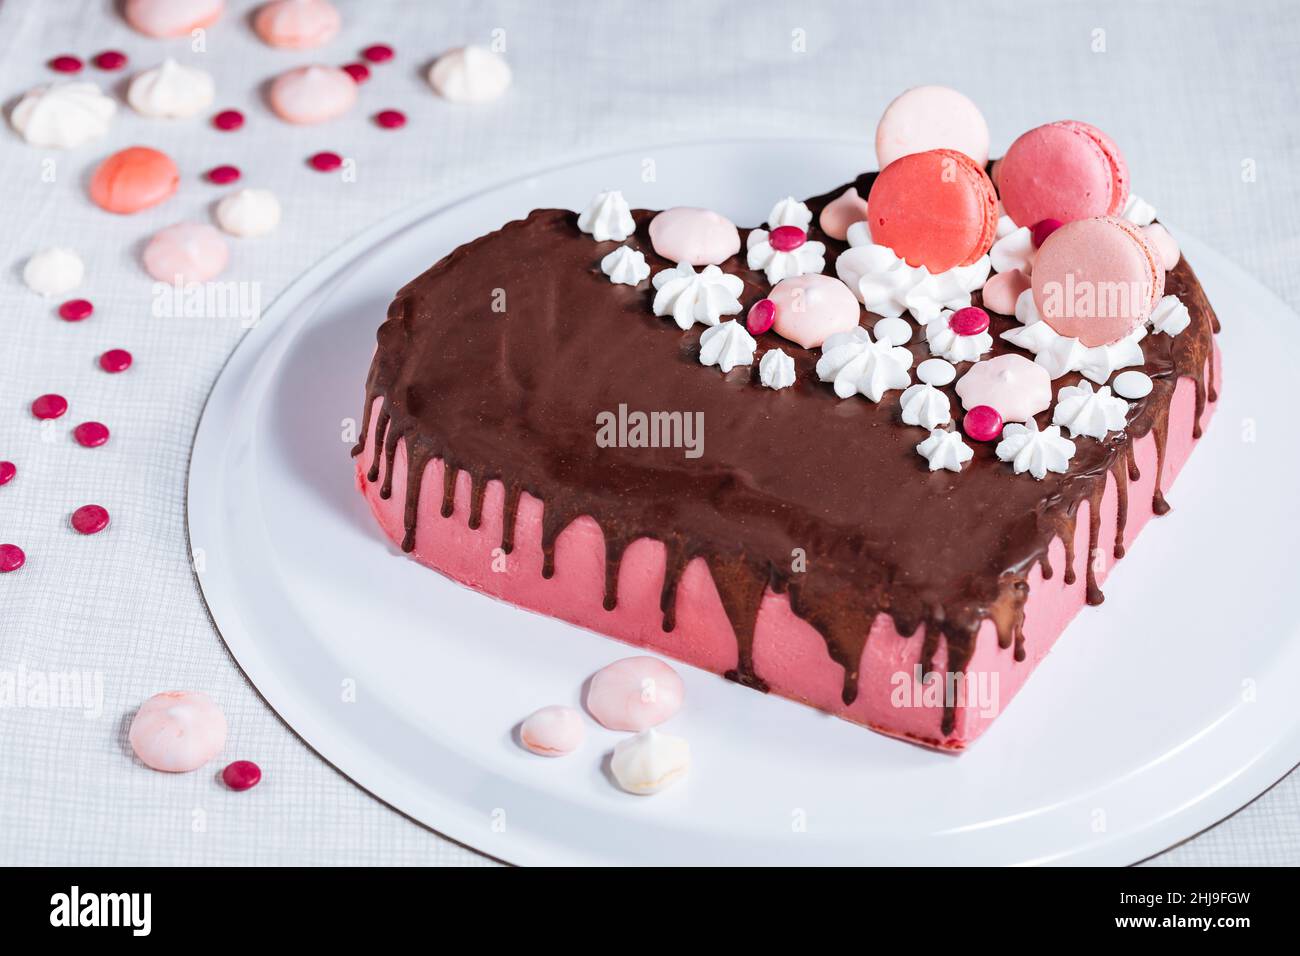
point(788, 653)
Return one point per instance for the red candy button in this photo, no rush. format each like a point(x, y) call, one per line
point(65, 64)
point(358, 71)
point(1044, 228)
point(110, 60)
point(7, 471)
point(11, 558)
point(241, 775)
point(971, 320)
point(91, 434)
point(74, 310)
point(983, 423)
point(49, 406)
point(326, 162)
point(390, 119)
point(221, 175)
point(115, 360)
point(228, 120)
point(787, 238)
point(378, 53)
point(90, 519)
point(761, 316)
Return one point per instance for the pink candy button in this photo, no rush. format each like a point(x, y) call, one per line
point(110, 60)
point(326, 162)
point(186, 252)
point(74, 310)
point(90, 519)
point(65, 64)
point(971, 320)
point(223, 175)
point(241, 775)
point(378, 53)
point(635, 694)
point(358, 71)
point(761, 316)
point(228, 120)
point(49, 406)
point(390, 119)
point(786, 238)
point(7, 471)
point(312, 94)
point(1044, 228)
point(90, 434)
point(983, 423)
point(11, 558)
point(115, 360)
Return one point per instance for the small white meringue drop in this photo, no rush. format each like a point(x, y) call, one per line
point(171, 90)
point(471, 74)
point(649, 762)
point(249, 213)
point(552, 731)
point(53, 271)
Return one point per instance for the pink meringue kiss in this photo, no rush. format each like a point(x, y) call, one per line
point(312, 94)
point(186, 252)
point(552, 731)
point(178, 731)
point(635, 694)
point(171, 18)
point(841, 212)
point(133, 179)
point(811, 308)
point(1164, 244)
point(1017, 387)
point(701, 237)
point(296, 24)
point(1003, 289)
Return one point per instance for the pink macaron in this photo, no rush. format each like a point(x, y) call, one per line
point(1097, 280)
point(171, 18)
point(296, 24)
point(935, 209)
point(1065, 170)
point(133, 179)
point(931, 117)
point(312, 94)
point(186, 252)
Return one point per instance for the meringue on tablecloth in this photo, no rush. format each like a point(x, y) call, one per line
point(63, 115)
point(171, 91)
point(470, 74)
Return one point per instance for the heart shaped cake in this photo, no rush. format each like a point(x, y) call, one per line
point(874, 478)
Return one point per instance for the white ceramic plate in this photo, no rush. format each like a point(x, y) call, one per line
point(1155, 716)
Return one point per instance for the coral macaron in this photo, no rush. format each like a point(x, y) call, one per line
point(1097, 280)
point(134, 179)
point(935, 209)
point(1065, 170)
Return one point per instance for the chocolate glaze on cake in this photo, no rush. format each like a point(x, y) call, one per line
point(499, 358)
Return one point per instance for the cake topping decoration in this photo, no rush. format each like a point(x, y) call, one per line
point(1085, 412)
point(982, 423)
point(945, 450)
point(784, 252)
point(971, 320)
point(936, 371)
point(54, 271)
point(790, 212)
point(727, 345)
point(63, 115)
point(1132, 385)
point(635, 693)
point(947, 341)
point(472, 74)
point(625, 266)
point(1034, 451)
point(1059, 354)
point(1164, 244)
point(776, 369)
point(1003, 289)
point(552, 731)
point(842, 212)
point(171, 91)
point(1044, 228)
point(1014, 251)
point(894, 331)
point(931, 117)
point(1138, 211)
point(856, 364)
point(700, 237)
point(1067, 170)
point(762, 315)
point(650, 762)
point(608, 217)
point(926, 406)
point(1014, 385)
point(811, 308)
point(691, 297)
point(178, 731)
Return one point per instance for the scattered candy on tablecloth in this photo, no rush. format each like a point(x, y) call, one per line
point(171, 18)
point(49, 406)
point(228, 120)
point(65, 64)
point(241, 775)
point(11, 558)
point(90, 519)
point(91, 434)
point(378, 53)
point(75, 310)
point(7, 471)
point(358, 71)
point(223, 175)
point(110, 60)
point(471, 74)
point(312, 94)
point(325, 162)
point(115, 360)
point(54, 271)
point(390, 119)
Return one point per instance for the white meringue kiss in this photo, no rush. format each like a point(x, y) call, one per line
point(650, 762)
point(63, 115)
point(171, 91)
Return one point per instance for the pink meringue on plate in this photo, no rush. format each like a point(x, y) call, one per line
point(312, 94)
point(552, 731)
point(178, 730)
point(186, 252)
point(636, 693)
point(171, 18)
point(296, 24)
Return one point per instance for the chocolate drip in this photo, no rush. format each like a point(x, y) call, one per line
point(512, 397)
point(1094, 595)
point(1120, 473)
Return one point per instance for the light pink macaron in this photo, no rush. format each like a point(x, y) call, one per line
point(178, 731)
point(186, 252)
point(1066, 170)
point(552, 731)
point(296, 24)
point(931, 117)
point(312, 94)
point(811, 308)
point(1097, 280)
point(171, 18)
point(701, 237)
point(635, 693)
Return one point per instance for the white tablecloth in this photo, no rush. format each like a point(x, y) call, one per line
point(1195, 97)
